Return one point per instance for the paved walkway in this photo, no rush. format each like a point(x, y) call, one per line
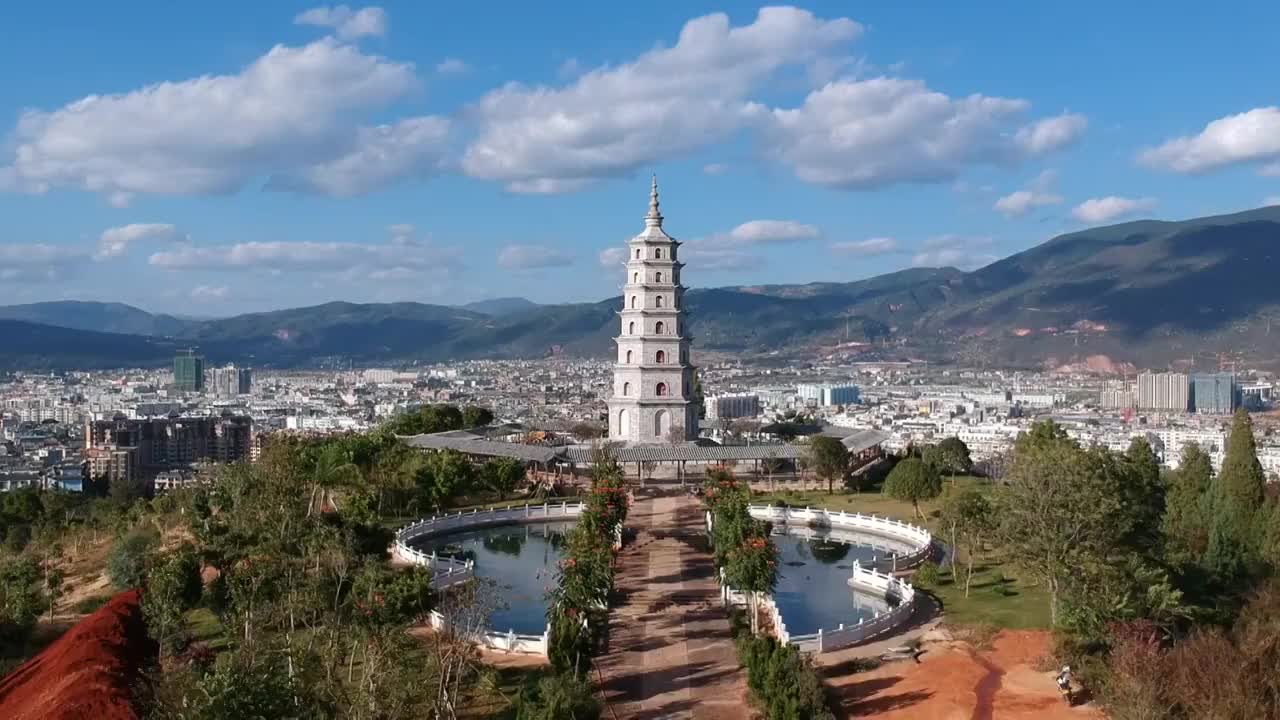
point(670, 655)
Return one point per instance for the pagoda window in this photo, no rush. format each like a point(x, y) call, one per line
point(635, 277)
point(626, 389)
point(660, 328)
point(637, 253)
point(657, 277)
point(631, 329)
point(633, 302)
point(661, 390)
point(657, 253)
point(661, 357)
point(628, 357)
point(658, 300)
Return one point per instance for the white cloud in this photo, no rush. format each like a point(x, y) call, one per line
point(1053, 133)
point(668, 101)
point(1271, 200)
point(1039, 193)
point(346, 23)
point(379, 157)
point(715, 168)
point(865, 134)
point(1249, 137)
point(966, 253)
point(452, 66)
point(764, 232)
point(308, 257)
point(525, 257)
point(402, 234)
point(115, 241)
point(718, 259)
point(210, 292)
point(1105, 209)
point(866, 248)
point(612, 257)
point(288, 113)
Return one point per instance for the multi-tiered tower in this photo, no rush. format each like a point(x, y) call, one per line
point(652, 381)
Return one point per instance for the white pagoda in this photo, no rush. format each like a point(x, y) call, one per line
point(653, 381)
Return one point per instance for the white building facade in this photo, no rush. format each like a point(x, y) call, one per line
point(652, 398)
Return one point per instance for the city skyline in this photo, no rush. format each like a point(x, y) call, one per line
point(509, 159)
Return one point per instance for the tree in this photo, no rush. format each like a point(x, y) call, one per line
point(1144, 494)
point(675, 434)
point(475, 416)
point(587, 431)
point(173, 588)
point(503, 476)
point(127, 563)
point(771, 464)
point(913, 480)
point(951, 456)
point(1237, 496)
point(445, 475)
point(1059, 510)
point(971, 518)
point(752, 568)
point(1185, 525)
point(331, 468)
point(829, 459)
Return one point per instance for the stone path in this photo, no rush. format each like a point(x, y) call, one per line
point(670, 655)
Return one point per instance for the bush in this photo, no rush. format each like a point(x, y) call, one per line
point(783, 682)
point(90, 604)
point(127, 564)
point(927, 575)
point(557, 697)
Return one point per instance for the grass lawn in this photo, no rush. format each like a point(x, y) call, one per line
point(998, 595)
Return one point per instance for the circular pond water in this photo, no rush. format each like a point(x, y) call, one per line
point(520, 559)
point(813, 573)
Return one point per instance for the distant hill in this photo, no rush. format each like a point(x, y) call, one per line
point(96, 316)
point(501, 306)
point(1146, 292)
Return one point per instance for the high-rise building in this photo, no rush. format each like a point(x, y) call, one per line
point(1214, 393)
point(1170, 392)
point(172, 442)
point(188, 371)
point(728, 407)
point(828, 395)
point(652, 397)
point(231, 381)
point(1118, 399)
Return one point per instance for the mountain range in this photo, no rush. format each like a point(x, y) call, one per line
point(1147, 293)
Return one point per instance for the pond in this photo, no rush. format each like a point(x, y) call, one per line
point(814, 569)
point(520, 559)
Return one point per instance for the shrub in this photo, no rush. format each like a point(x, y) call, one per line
point(782, 681)
point(555, 697)
point(927, 575)
point(127, 564)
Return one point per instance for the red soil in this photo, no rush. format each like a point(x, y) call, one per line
point(956, 682)
point(89, 672)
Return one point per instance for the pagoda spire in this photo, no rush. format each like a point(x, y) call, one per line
point(654, 218)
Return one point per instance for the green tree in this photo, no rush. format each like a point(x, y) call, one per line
point(502, 476)
point(1238, 494)
point(1186, 523)
point(1144, 494)
point(1059, 509)
point(971, 518)
point(330, 469)
point(127, 563)
point(475, 416)
point(913, 480)
point(443, 476)
point(752, 568)
point(829, 460)
point(173, 588)
point(951, 456)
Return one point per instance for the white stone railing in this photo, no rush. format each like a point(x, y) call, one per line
point(905, 545)
point(448, 571)
point(877, 583)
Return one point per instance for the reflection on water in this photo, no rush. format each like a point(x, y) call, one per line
point(521, 559)
point(813, 590)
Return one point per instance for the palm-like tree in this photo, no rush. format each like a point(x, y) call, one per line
point(330, 469)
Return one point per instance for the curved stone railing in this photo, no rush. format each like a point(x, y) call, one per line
point(872, 582)
point(905, 545)
point(448, 571)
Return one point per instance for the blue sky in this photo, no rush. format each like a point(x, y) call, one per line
point(221, 158)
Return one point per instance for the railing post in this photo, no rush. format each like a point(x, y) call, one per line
point(819, 640)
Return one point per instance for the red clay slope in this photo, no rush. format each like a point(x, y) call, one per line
point(89, 672)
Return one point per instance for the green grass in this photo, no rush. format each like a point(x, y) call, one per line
point(873, 501)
